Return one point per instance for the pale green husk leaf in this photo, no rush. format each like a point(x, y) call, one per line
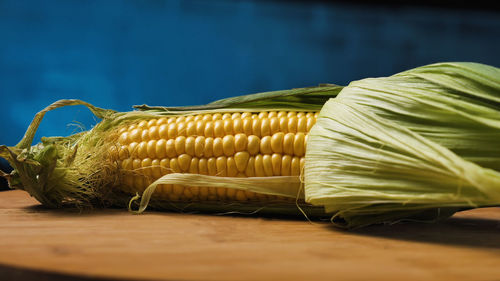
point(425, 139)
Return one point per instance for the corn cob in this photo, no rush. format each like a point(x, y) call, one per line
point(228, 145)
point(242, 154)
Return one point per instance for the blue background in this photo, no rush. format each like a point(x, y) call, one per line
point(115, 54)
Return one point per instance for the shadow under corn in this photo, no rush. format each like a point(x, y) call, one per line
point(457, 231)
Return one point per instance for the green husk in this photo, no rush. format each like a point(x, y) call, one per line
point(423, 143)
point(77, 170)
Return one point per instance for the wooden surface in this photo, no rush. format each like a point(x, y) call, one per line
point(103, 244)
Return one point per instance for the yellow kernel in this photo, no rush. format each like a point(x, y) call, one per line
point(184, 161)
point(218, 148)
point(276, 163)
point(146, 167)
point(142, 150)
point(198, 118)
point(282, 114)
point(199, 146)
point(165, 166)
point(292, 124)
point(238, 126)
point(154, 133)
point(171, 120)
point(127, 164)
point(298, 144)
point(302, 124)
point(161, 121)
point(216, 116)
point(310, 123)
point(232, 170)
point(262, 115)
point(274, 125)
point(209, 129)
point(265, 145)
point(218, 128)
point(241, 159)
point(277, 142)
point(191, 128)
point(123, 139)
point(170, 148)
point(174, 165)
point(291, 114)
point(180, 119)
point(151, 123)
point(256, 126)
point(236, 115)
point(265, 127)
point(259, 166)
point(190, 145)
point(226, 116)
point(228, 145)
point(250, 168)
point(272, 114)
point(123, 152)
point(295, 166)
point(202, 166)
point(200, 128)
point(246, 114)
point(172, 130)
point(284, 124)
point(212, 166)
point(156, 169)
point(228, 126)
point(143, 124)
point(288, 143)
point(151, 149)
point(286, 162)
point(132, 149)
point(221, 164)
point(209, 146)
point(135, 135)
point(181, 128)
point(189, 118)
point(193, 166)
point(253, 145)
point(268, 165)
point(301, 114)
point(180, 145)
point(302, 163)
point(240, 142)
point(207, 117)
point(122, 130)
point(163, 131)
point(305, 143)
point(247, 126)
point(160, 149)
point(145, 135)
point(138, 178)
point(316, 114)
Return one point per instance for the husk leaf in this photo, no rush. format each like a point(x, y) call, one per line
point(422, 140)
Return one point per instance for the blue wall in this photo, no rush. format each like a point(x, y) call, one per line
point(115, 54)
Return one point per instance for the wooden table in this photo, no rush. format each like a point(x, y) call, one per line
point(45, 244)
